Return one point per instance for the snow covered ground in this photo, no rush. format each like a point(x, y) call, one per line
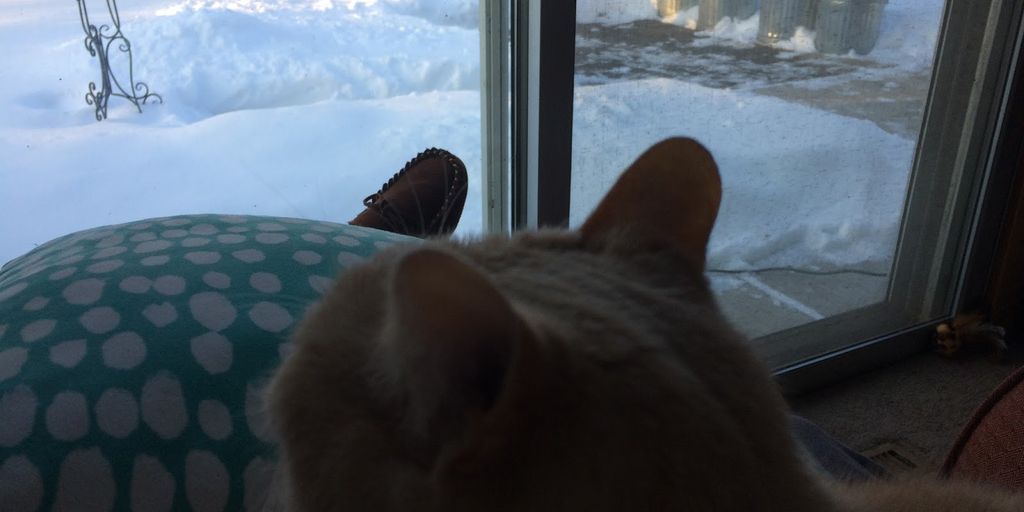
point(802, 187)
point(303, 107)
point(295, 108)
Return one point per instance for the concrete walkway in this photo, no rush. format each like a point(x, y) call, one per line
point(856, 87)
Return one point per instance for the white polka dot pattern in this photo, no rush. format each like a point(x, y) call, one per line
point(271, 238)
point(285, 349)
point(270, 226)
point(110, 241)
point(11, 361)
point(108, 252)
point(257, 479)
point(348, 259)
point(136, 284)
point(213, 352)
point(203, 257)
point(265, 282)
point(152, 486)
point(152, 246)
point(163, 406)
point(37, 330)
point(169, 285)
point(136, 367)
point(249, 255)
point(203, 229)
point(21, 487)
point(117, 413)
point(206, 482)
point(360, 233)
point(124, 351)
point(153, 261)
point(104, 267)
point(314, 238)
point(100, 320)
point(36, 304)
point(63, 274)
point(11, 291)
point(67, 417)
point(346, 241)
point(230, 239)
point(255, 413)
point(214, 419)
point(17, 415)
point(85, 291)
point(217, 280)
point(86, 482)
point(160, 315)
point(270, 317)
point(307, 257)
point(68, 354)
point(70, 260)
point(195, 242)
point(320, 283)
point(212, 310)
point(174, 233)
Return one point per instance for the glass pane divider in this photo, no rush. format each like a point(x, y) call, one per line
point(1003, 153)
point(495, 118)
point(542, 103)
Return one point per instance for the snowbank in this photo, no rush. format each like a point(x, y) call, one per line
point(839, 208)
point(273, 57)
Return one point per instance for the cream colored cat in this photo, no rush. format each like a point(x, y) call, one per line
point(580, 370)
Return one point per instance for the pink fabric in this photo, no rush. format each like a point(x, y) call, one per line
point(991, 447)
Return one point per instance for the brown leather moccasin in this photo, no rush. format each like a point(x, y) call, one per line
point(423, 199)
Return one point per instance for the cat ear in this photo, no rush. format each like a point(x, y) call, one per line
point(667, 197)
point(458, 338)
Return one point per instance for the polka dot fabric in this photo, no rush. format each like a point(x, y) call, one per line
point(132, 358)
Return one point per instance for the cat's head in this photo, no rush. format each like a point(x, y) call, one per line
point(559, 370)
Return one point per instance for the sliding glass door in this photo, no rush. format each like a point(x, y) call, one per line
point(853, 140)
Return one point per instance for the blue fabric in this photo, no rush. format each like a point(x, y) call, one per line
point(833, 458)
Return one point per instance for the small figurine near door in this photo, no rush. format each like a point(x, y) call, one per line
point(970, 331)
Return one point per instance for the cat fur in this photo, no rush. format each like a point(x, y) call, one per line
point(584, 369)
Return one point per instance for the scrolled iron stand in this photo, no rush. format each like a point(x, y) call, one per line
point(98, 41)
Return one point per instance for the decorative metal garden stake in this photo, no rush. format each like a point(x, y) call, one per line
point(99, 41)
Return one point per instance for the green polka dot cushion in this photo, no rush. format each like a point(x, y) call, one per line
point(132, 358)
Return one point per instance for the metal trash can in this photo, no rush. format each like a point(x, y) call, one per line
point(670, 7)
point(867, 23)
point(712, 11)
point(844, 25)
point(780, 18)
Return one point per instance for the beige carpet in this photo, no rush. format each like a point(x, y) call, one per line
point(913, 409)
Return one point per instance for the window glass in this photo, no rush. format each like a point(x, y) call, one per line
point(813, 110)
point(296, 108)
